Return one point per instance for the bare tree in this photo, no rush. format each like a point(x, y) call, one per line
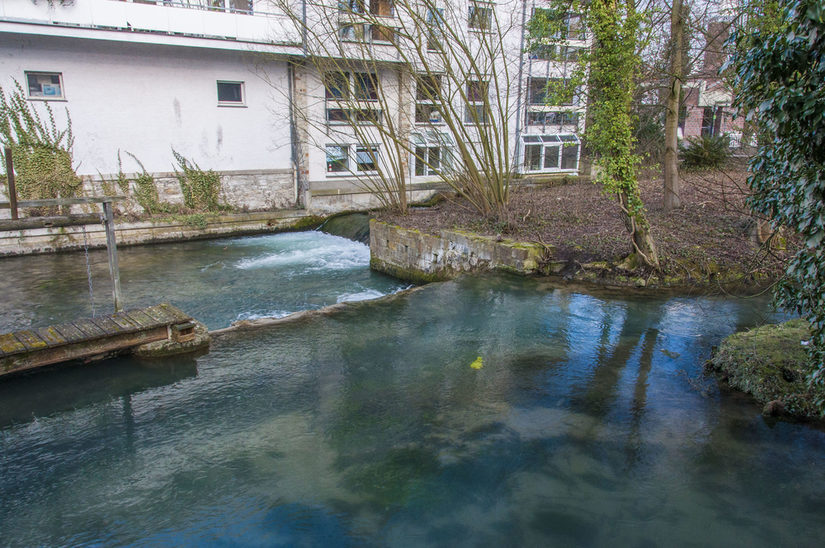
point(448, 105)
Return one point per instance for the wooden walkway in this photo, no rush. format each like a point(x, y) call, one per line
point(86, 338)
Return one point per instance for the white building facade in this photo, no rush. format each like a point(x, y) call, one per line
point(235, 86)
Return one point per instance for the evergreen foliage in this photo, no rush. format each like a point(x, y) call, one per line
point(706, 152)
point(780, 76)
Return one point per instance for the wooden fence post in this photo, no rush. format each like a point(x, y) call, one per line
point(111, 248)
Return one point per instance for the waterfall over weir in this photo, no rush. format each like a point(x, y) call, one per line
point(216, 281)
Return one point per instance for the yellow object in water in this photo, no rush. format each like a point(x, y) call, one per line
point(477, 364)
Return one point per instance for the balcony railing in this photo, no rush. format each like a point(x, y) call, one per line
point(216, 19)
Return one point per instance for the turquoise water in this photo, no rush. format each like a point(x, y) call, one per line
point(216, 281)
point(588, 424)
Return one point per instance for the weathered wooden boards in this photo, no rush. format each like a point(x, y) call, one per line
point(85, 338)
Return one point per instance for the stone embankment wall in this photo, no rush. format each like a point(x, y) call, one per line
point(418, 257)
point(45, 240)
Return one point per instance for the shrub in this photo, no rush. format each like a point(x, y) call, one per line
point(706, 152)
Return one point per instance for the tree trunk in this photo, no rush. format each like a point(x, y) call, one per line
point(671, 167)
point(644, 250)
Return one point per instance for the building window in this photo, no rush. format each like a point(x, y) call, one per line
point(230, 93)
point(553, 118)
point(477, 107)
point(480, 16)
point(353, 115)
point(711, 121)
point(337, 159)
point(559, 91)
point(431, 153)
point(365, 85)
point(366, 159)
point(356, 25)
point(358, 86)
point(336, 85)
point(544, 153)
point(349, 32)
point(427, 160)
point(45, 85)
point(435, 25)
point(427, 99)
point(352, 159)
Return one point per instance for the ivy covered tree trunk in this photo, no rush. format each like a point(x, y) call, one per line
point(672, 199)
point(613, 66)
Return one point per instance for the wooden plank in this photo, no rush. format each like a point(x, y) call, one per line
point(10, 345)
point(124, 322)
point(64, 201)
point(175, 312)
point(51, 336)
point(49, 222)
point(140, 318)
point(159, 314)
point(30, 339)
point(88, 328)
point(107, 325)
point(70, 332)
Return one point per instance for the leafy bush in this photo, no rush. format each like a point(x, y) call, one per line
point(705, 152)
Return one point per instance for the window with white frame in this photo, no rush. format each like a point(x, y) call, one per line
point(357, 86)
point(430, 153)
point(350, 96)
point(480, 15)
point(556, 152)
point(45, 85)
point(352, 159)
point(230, 93)
point(552, 118)
point(478, 102)
point(558, 90)
point(428, 98)
point(362, 19)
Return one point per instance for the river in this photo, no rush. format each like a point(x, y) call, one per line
point(588, 423)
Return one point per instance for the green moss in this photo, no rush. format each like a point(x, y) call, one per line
point(310, 222)
point(407, 274)
point(771, 364)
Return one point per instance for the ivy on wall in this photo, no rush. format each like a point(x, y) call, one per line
point(41, 152)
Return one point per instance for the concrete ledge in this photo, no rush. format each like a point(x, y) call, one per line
point(192, 227)
point(412, 255)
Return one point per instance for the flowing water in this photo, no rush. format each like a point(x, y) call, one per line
point(216, 281)
point(588, 424)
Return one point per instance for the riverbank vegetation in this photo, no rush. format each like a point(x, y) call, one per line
point(713, 238)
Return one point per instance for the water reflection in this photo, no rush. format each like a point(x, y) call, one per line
point(369, 427)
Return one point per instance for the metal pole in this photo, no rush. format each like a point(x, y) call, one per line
point(10, 181)
point(111, 248)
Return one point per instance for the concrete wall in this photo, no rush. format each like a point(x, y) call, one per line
point(415, 256)
point(148, 99)
point(46, 240)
